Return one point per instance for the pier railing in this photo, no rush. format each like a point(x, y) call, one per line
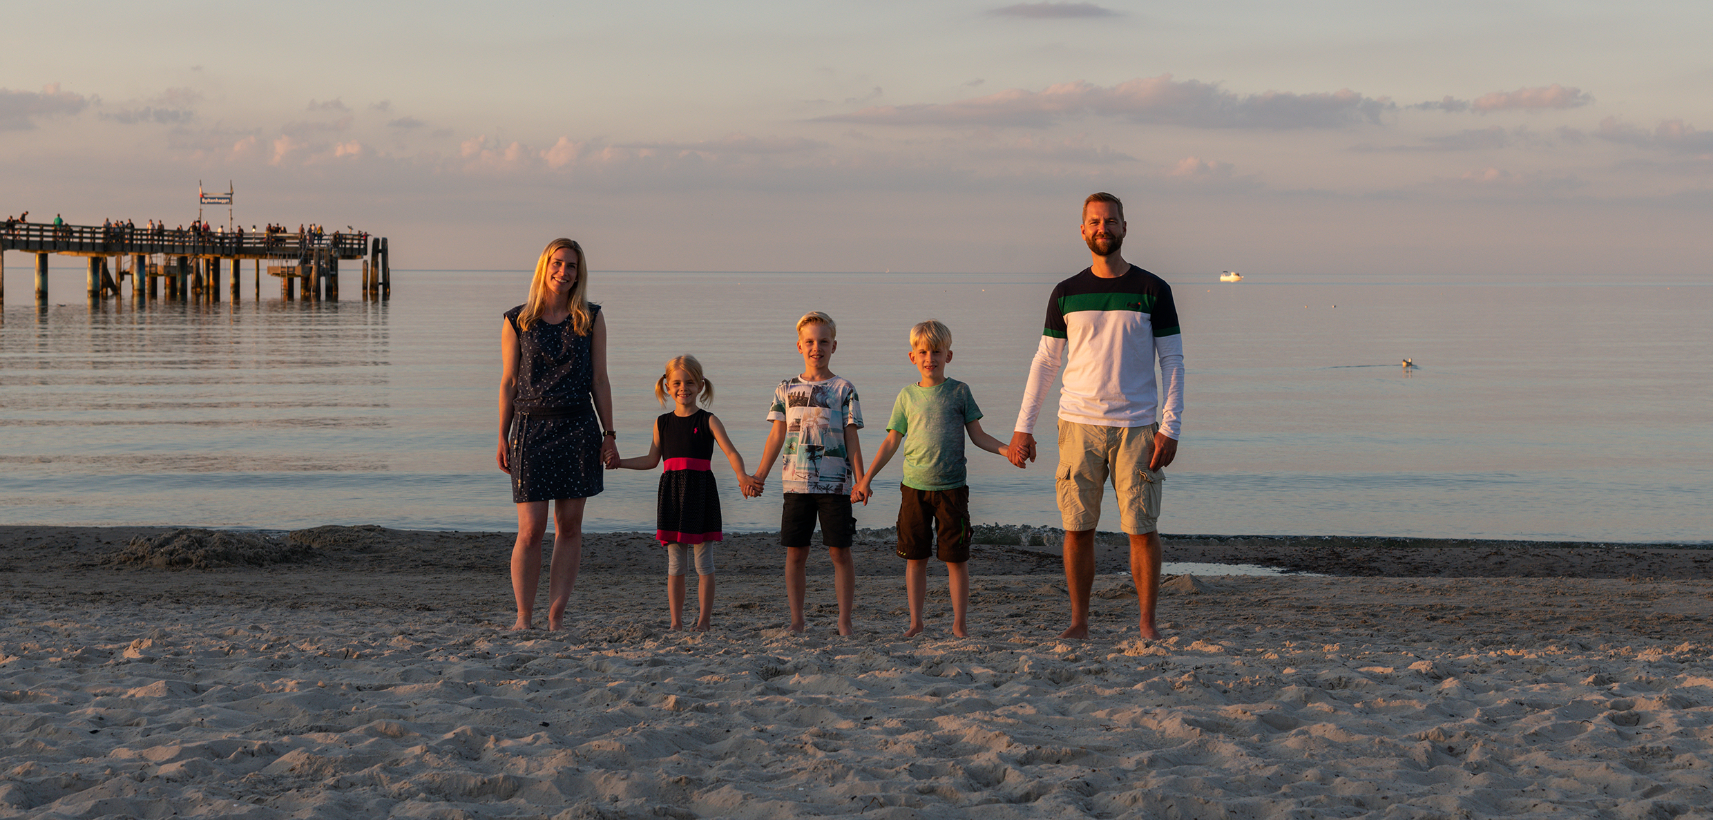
point(98, 240)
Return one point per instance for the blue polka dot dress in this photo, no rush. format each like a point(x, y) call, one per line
point(555, 437)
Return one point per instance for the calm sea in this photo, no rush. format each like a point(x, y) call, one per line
point(1538, 409)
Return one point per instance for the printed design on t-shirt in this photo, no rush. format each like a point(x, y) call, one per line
point(815, 416)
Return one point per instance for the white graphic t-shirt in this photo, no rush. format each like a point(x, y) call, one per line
point(815, 416)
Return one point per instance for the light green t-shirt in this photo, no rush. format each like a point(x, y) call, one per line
point(932, 420)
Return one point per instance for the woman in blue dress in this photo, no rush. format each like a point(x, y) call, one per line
point(556, 422)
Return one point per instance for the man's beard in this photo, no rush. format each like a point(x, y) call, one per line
point(1105, 244)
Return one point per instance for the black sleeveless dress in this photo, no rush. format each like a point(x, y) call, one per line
point(689, 507)
point(555, 438)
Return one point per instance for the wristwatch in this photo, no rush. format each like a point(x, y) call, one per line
point(611, 434)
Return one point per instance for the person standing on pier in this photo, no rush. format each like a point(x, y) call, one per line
point(553, 441)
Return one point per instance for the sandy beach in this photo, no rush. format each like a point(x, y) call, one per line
point(363, 672)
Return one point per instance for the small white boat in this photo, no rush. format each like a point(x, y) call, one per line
point(1231, 276)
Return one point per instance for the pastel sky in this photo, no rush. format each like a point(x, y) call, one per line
point(1319, 136)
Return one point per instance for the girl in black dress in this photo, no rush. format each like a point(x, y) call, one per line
point(553, 440)
point(689, 506)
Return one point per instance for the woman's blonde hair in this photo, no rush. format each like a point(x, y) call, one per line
point(690, 367)
point(581, 317)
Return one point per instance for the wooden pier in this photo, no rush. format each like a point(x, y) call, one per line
point(191, 262)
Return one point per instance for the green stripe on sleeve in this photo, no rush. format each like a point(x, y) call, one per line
point(1052, 334)
point(1165, 331)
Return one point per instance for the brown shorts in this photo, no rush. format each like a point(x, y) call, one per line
point(918, 514)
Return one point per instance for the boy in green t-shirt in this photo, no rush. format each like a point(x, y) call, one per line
point(934, 413)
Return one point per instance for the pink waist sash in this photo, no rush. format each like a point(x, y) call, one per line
point(688, 464)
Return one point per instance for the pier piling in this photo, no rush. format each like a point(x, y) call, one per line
point(42, 278)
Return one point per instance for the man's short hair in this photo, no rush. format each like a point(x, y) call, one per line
point(932, 334)
point(815, 317)
point(1102, 196)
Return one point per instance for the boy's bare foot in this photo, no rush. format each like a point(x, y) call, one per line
point(914, 630)
point(1076, 632)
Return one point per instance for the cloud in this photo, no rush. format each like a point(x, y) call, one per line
point(1447, 104)
point(1491, 175)
point(1160, 100)
point(1473, 139)
point(383, 106)
point(1494, 179)
point(164, 116)
point(1675, 136)
point(1193, 168)
point(563, 153)
point(406, 122)
point(348, 149)
point(733, 144)
point(20, 109)
point(285, 147)
point(334, 104)
point(1044, 11)
point(1077, 151)
point(306, 128)
point(1527, 99)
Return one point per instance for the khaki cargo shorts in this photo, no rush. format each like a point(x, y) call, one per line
point(1088, 453)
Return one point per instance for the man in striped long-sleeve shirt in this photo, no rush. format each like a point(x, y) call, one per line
point(1105, 327)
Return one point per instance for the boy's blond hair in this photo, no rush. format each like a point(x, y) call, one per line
point(687, 365)
point(932, 333)
point(815, 317)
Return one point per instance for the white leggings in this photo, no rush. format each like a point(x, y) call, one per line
point(675, 559)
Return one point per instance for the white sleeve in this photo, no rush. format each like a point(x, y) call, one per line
point(1170, 349)
point(1049, 359)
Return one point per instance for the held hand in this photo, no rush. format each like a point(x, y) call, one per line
point(760, 483)
point(609, 452)
point(503, 458)
point(861, 493)
point(1022, 449)
point(1165, 449)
